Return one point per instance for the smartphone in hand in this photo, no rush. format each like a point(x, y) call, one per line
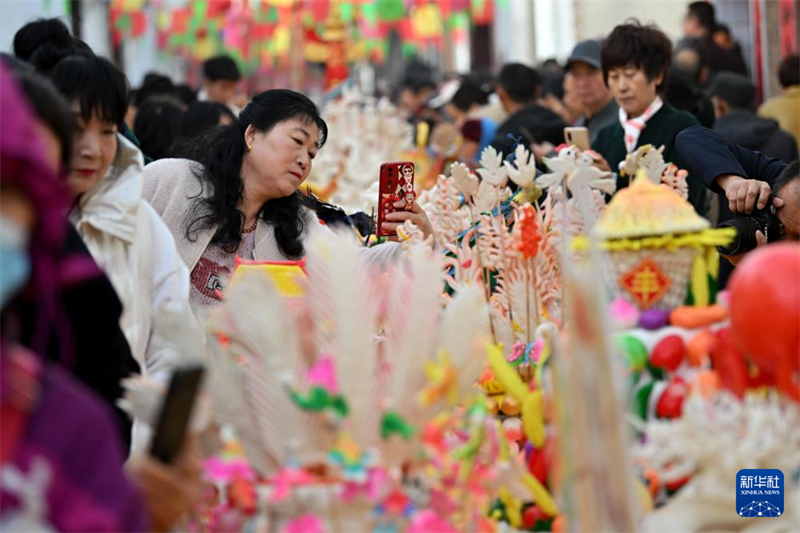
point(176, 411)
point(578, 137)
point(396, 183)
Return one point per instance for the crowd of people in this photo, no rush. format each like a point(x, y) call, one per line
point(121, 206)
point(632, 88)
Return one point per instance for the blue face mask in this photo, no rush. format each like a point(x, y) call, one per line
point(14, 261)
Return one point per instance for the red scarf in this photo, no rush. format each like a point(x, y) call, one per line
point(633, 127)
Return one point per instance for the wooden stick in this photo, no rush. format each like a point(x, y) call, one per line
point(503, 229)
point(527, 304)
point(532, 266)
point(486, 278)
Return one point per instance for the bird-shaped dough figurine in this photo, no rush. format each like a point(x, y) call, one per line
point(585, 179)
point(561, 166)
point(675, 179)
point(653, 163)
point(648, 158)
point(585, 173)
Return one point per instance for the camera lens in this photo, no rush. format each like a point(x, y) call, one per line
point(745, 239)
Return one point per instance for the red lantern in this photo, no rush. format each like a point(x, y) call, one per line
point(765, 312)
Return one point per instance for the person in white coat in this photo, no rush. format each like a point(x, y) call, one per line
point(123, 232)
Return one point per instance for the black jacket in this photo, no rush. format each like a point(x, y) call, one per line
point(534, 120)
point(661, 130)
point(756, 133)
point(709, 155)
point(92, 310)
point(718, 59)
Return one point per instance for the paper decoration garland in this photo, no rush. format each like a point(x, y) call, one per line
point(257, 33)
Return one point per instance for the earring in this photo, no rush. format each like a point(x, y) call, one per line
point(249, 147)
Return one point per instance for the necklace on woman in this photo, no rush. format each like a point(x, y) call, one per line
point(252, 228)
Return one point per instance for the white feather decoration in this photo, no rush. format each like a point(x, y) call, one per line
point(262, 334)
point(344, 307)
point(226, 380)
point(501, 324)
point(412, 312)
point(463, 334)
point(178, 339)
point(487, 197)
point(465, 181)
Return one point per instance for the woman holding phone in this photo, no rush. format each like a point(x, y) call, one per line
point(635, 60)
point(237, 192)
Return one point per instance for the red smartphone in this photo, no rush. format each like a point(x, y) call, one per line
point(396, 183)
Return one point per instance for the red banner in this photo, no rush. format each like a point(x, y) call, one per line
point(787, 15)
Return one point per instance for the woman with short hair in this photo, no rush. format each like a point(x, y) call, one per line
point(124, 234)
point(635, 60)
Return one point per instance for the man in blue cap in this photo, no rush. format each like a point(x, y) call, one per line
point(599, 107)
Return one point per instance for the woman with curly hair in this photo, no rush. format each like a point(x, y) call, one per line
point(236, 192)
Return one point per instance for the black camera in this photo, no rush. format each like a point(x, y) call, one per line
point(763, 220)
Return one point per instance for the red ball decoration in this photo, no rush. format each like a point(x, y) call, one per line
point(765, 312)
point(531, 516)
point(668, 353)
point(670, 404)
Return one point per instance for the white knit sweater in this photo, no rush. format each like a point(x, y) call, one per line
point(171, 186)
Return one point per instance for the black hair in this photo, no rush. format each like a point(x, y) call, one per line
point(97, 85)
point(737, 90)
point(221, 152)
point(221, 68)
point(418, 76)
point(45, 42)
point(39, 32)
point(551, 65)
point(643, 47)
point(693, 44)
point(202, 116)
point(789, 71)
point(154, 85)
point(704, 13)
point(553, 84)
point(185, 94)
point(158, 123)
point(683, 94)
point(468, 94)
point(419, 84)
point(788, 175)
point(722, 28)
point(520, 82)
point(50, 107)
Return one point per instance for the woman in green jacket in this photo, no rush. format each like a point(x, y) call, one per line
point(635, 61)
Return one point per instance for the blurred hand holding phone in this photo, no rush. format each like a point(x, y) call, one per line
point(176, 411)
point(169, 479)
point(396, 185)
point(578, 137)
point(169, 491)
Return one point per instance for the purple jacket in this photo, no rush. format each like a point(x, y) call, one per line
point(70, 435)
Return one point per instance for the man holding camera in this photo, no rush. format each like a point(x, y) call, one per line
point(762, 194)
